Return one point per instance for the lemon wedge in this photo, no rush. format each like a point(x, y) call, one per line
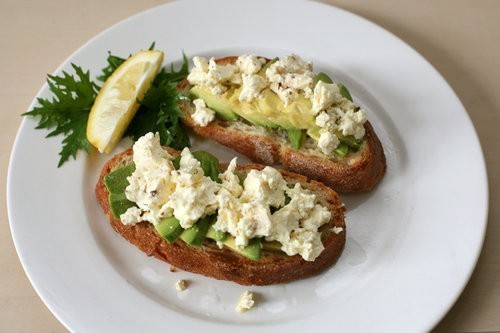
point(116, 103)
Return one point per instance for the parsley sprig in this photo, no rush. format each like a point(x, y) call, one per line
point(66, 113)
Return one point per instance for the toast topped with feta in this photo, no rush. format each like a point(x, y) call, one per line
point(245, 223)
point(280, 112)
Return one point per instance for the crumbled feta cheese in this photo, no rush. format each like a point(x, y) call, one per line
point(351, 123)
point(266, 185)
point(296, 225)
point(131, 216)
point(181, 285)
point(194, 195)
point(150, 184)
point(337, 230)
point(244, 211)
point(199, 73)
point(252, 85)
point(230, 181)
point(202, 115)
point(242, 218)
point(212, 75)
point(249, 64)
point(222, 73)
point(160, 191)
point(322, 119)
point(304, 242)
point(290, 76)
point(245, 302)
point(327, 142)
point(325, 94)
point(316, 218)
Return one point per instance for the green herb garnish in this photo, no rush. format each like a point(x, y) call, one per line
point(67, 111)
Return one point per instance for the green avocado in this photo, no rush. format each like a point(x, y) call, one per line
point(218, 103)
point(252, 251)
point(116, 181)
point(195, 235)
point(296, 137)
point(216, 235)
point(169, 228)
point(118, 204)
point(272, 245)
point(268, 110)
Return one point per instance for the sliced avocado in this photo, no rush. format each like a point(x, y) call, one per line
point(195, 235)
point(296, 137)
point(176, 162)
point(215, 102)
point(352, 142)
point(345, 92)
point(169, 228)
point(217, 235)
point(252, 251)
point(255, 112)
point(321, 77)
point(271, 245)
point(119, 204)
point(116, 181)
point(209, 164)
point(342, 149)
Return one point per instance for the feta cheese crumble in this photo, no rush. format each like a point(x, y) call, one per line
point(243, 210)
point(212, 75)
point(202, 115)
point(249, 64)
point(252, 86)
point(181, 285)
point(290, 76)
point(337, 230)
point(324, 95)
point(245, 302)
point(327, 142)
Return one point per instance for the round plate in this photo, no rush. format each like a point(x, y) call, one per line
point(412, 242)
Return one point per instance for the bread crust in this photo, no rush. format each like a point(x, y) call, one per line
point(359, 172)
point(224, 264)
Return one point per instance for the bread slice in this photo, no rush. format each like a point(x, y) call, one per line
point(224, 264)
point(357, 172)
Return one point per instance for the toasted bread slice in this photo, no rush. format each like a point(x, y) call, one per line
point(357, 172)
point(224, 264)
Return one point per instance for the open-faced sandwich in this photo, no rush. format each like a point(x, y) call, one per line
point(245, 223)
point(281, 112)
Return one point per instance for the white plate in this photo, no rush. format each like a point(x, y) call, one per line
point(412, 243)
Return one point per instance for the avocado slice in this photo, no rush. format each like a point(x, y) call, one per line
point(217, 103)
point(118, 203)
point(256, 112)
point(345, 92)
point(169, 228)
point(342, 149)
point(296, 137)
point(195, 235)
point(209, 163)
point(216, 235)
point(116, 181)
point(351, 142)
point(321, 77)
point(271, 245)
point(252, 251)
